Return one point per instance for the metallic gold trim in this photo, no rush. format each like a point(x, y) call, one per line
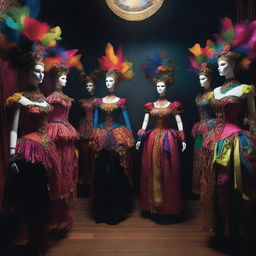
point(134, 16)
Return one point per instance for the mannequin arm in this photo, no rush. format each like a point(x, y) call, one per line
point(142, 130)
point(14, 131)
point(180, 128)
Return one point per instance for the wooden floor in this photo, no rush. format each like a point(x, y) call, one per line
point(135, 236)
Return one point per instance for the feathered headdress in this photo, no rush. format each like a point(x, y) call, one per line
point(20, 30)
point(199, 62)
point(59, 61)
point(159, 67)
point(115, 64)
point(93, 77)
point(234, 43)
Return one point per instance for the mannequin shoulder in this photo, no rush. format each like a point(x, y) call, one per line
point(15, 98)
point(148, 106)
point(248, 89)
point(122, 102)
point(234, 92)
point(176, 105)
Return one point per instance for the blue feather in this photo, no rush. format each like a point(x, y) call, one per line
point(34, 7)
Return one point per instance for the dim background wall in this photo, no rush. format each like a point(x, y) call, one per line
point(90, 25)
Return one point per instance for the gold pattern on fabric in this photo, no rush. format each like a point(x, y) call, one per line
point(156, 170)
point(134, 10)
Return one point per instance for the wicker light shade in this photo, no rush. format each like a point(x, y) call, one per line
point(6, 4)
point(134, 10)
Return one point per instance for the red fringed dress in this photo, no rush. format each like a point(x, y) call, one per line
point(64, 136)
point(160, 190)
point(85, 130)
point(199, 131)
point(112, 178)
point(39, 177)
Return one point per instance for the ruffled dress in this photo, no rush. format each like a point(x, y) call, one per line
point(64, 135)
point(199, 131)
point(160, 183)
point(229, 161)
point(85, 130)
point(112, 178)
point(38, 180)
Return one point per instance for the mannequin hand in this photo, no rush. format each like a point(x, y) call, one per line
point(15, 168)
point(183, 146)
point(13, 165)
point(138, 145)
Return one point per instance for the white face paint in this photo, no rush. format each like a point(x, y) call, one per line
point(225, 69)
point(204, 81)
point(161, 87)
point(36, 74)
point(62, 80)
point(90, 87)
point(110, 82)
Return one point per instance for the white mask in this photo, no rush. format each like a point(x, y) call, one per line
point(225, 69)
point(204, 81)
point(161, 87)
point(110, 82)
point(36, 74)
point(90, 87)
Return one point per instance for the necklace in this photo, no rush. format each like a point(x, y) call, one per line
point(161, 102)
point(228, 85)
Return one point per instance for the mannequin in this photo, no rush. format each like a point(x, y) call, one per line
point(34, 176)
point(86, 129)
point(229, 152)
point(112, 148)
point(64, 136)
point(161, 201)
point(111, 145)
point(199, 64)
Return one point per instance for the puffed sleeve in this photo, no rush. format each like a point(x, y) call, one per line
point(177, 107)
point(123, 105)
point(248, 89)
point(13, 99)
point(148, 106)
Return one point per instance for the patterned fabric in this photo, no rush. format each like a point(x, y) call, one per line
point(33, 144)
point(64, 136)
point(85, 130)
point(199, 130)
point(110, 134)
point(160, 173)
point(229, 158)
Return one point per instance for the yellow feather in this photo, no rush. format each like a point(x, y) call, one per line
point(111, 54)
point(196, 50)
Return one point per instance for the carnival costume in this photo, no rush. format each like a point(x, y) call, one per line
point(35, 178)
point(111, 145)
point(200, 64)
point(86, 131)
point(63, 134)
point(160, 182)
point(229, 152)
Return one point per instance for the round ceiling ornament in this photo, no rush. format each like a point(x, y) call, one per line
point(134, 10)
